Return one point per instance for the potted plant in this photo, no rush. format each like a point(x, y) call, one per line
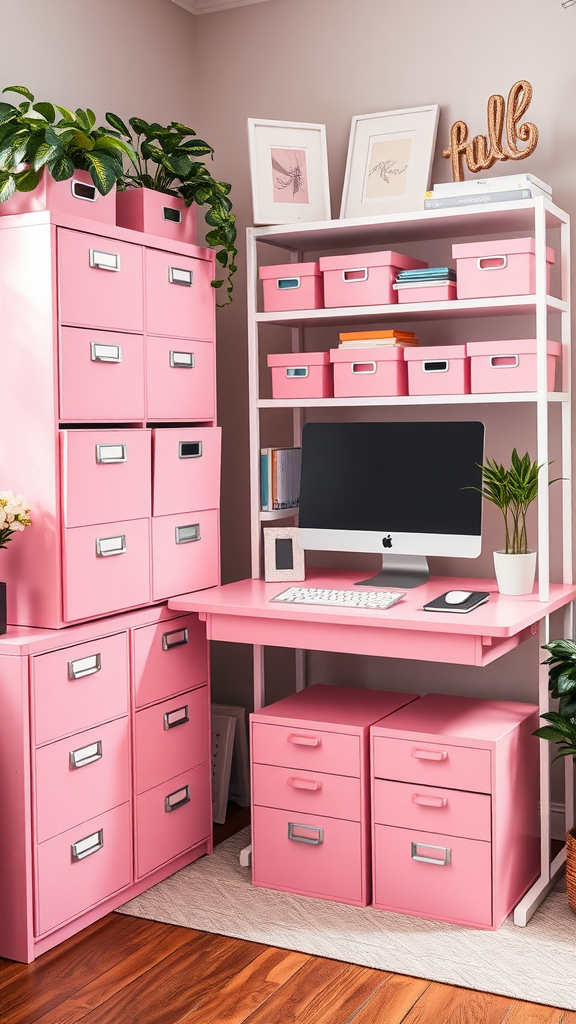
point(14, 517)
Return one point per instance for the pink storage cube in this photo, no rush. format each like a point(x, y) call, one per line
point(504, 366)
point(438, 370)
point(301, 375)
point(440, 293)
point(292, 286)
point(363, 279)
point(369, 372)
point(502, 267)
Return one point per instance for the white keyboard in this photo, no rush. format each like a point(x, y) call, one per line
point(378, 599)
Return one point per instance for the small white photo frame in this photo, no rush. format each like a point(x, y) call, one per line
point(283, 556)
point(289, 171)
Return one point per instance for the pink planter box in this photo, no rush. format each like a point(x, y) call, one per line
point(504, 366)
point(363, 279)
point(144, 209)
point(292, 286)
point(77, 195)
point(438, 370)
point(503, 267)
point(440, 293)
point(369, 373)
point(301, 375)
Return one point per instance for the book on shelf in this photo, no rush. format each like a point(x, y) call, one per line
point(480, 199)
point(377, 339)
point(499, 183)
point(374, 335)
point(279, 478)
point(426, 274)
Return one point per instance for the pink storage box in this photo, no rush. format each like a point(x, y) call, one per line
point(502, 267)
point(441, 293)
point(292, 286)
point(438, 370)
point(301, 375)
point(503, 366)
point(363, 279)
point(369, 372)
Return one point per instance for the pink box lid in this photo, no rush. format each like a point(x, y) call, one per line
point(498, 247)
point(365, 355)
point(430, 352)
point(360, 260)
point(510, 348)
point(298, 358)
point(284, 270)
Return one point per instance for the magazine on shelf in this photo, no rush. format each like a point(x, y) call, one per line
point(279, 478)
point(499, 183)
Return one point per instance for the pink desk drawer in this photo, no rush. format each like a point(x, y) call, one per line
point(78, 687)
point(335, 796)
point(185, 553)
point(179, 297)
point(452, 881)
point(101, 376)
point(80, 777)
point(169, 658)
point(186, 469)
point(501, 267)
point(180, 379)
point(428, 809)
point(308, 748)
point(292, 286)
point(307, 854)
point(301, 375)
point(433, 764)
point(105, 475)
point(497, 367)
point(370, 373)
point(99, 282)
point(106, 568)
point(172, 818)
point(363, 279)
point(171, 738)
point(438, 370)
point(81, 867)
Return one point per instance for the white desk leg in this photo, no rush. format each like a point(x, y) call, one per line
point(300, 659)
point(259, 700)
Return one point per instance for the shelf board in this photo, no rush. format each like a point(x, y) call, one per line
point(408, 400)
point(278, 513)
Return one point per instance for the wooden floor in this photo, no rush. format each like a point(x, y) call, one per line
point(124, 970)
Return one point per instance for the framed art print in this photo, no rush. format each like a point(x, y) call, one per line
point(289, 171)
point(389, 161)
point(283, 556)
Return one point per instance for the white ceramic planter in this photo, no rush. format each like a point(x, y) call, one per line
point(515, 573)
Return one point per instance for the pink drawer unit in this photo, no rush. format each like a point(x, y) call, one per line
point(106, 568)
point(502, 267)
point(334, 796)
point(180, 379)
point(80, 777)
point(438, 370)
point(185, 553)
point(186, 469)
point(508, 366)
point(170, 738)
point(314, 749)
point(81, 867)
point(105, 475)
point(101, 376)
point(292, 286)
point(169, 657)
point(99, 282)
point(301, 375)
point(156, 213)
point(429, 809)
point(363, 279)
point(179, 300)
point(439, 293)
point(432, 764)
point(76, 196)
point(78, 687)
point(172, 818)
point(369, 373)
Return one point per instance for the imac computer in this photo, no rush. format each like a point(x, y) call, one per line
point(399, 489)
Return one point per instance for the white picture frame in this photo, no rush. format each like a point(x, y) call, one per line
point(277, 557)
point(222, 733)
point(389, 161)
point(289, 171)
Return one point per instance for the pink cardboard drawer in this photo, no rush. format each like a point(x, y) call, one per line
point(370, 372)
point(170, 738)
point(78, 687)
point(292, 286)
point(335, 796)
point(438, 370)
point(99, 282)
point(179, 297)
point(106, 568)
point(172, 818)
point(145, 209)
point(185, 553)
point(506, 366)
point(503, 267)
point(306, 748)
point(169, 657)
point(101, 376)
point(308, 854)
point(80, 777)
point(432, 875)
point(186, 469)
point(438, 293)
point(432, 764)
point(364, 279)
point(180, 378)
point(301, 375)
point(450, 811)
point(105, 475)
point(79, 868)
point(76, 196)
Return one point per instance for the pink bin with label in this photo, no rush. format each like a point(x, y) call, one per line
point(364, 279)
point(301, 375)
point(369, 373)
point(502, 267)
point(438, 370)
point(503, 366)
point(292, 286)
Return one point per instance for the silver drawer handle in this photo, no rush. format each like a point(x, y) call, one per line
point(178, 276)
point(357, 274)
point(431, 860)
point(86, 755)
point(175, 638)
point(87, 846)
point(177, 799)
point(177, 717)
point(189, 449)
point(107, 453)
point(314, 839)
point(436, 365)
point(182, 360)
point(80, 190)
point(188, 534)
point(288, 283)
point(84, 667)
point(296, 371)
point(106, 546)
point(105, 353)
point(104, 260)
point(169, 213)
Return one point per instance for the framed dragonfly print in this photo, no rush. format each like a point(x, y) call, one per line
point(289, 170)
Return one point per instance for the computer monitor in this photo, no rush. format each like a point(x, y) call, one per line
point(399, 489)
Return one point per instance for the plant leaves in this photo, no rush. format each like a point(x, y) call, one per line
point(67, 114)
point(139, 125)
point(44, 153)
point(61, 167)
point(27, 180)
point(47, 111)
point(103, 171)
point(83, 120)
point(118, 123)
point(21, 89)
point(7, 187)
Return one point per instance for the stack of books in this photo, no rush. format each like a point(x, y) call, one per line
point(505, 188)
point(425, 277)
point(376, 339)
point(279, 478)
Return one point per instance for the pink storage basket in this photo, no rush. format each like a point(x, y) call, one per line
point(369, 372)
point(503, 267)
point(301, 375)
point(292, 286)
point(504, 366)
point(440, 293)
point(438, 370)
point(363, 279)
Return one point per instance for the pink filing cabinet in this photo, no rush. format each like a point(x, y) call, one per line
point(310, 818)
point(455, 825)
point(363, 279)
point(438, 370)
point(301, 375)
point(180, 379)
point(502, 267)
point(186, 469)
point(369, 372)
point(101, 376)
point(508, 366)
point(292, 286)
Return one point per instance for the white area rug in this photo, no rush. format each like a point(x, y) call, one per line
point(536, 963)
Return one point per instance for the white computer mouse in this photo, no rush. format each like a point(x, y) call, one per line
point(457, 596)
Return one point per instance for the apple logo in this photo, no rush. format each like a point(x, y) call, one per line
point(387, 541)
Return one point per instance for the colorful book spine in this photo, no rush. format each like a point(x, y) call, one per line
point(279, 478)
